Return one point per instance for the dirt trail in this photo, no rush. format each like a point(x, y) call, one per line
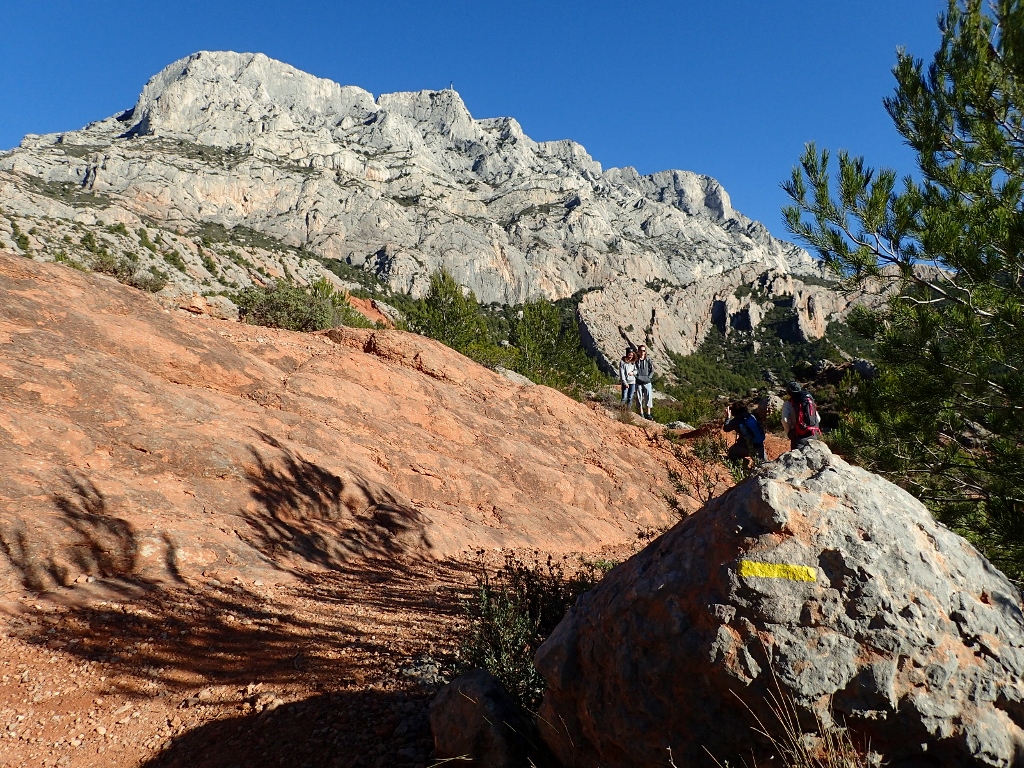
point(333, 670)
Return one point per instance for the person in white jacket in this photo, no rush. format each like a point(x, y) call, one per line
point(627, 377)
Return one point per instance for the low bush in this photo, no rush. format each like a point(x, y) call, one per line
point(515, 610)
point(702, 468)
point(61, 257)
point(295, 308)
point(550, 350)
point(126, 270)
point(539, 339)
point(174, 259)
point(449, 314)
point(208, 263)
point(144, 240)
point(21, 239)
point(152, 280)
point(691, 407)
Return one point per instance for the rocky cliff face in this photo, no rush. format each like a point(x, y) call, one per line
point(234, 167)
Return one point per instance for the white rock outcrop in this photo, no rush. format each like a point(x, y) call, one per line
point(814, 583)
point(399, 186)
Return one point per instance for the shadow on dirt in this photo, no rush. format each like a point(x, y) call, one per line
point(345, 626)
point(308, 515)
point(364, 728)
point(181, 634)
point(315, 636)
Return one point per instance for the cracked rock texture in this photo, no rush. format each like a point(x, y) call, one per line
point(152, 444)
point(904, 632)
point(284, 165)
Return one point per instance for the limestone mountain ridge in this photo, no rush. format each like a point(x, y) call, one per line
point(235, 168)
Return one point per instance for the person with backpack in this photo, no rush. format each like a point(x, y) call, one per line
point(749, 434)
point(800, 418)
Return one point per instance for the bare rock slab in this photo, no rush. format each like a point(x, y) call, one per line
point(815, 580)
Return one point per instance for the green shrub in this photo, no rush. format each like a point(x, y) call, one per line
point(208, 263)
point(286, 305)
point(20, 238)
point(118, 229)
point(103, 261)
point(174, 259)
point(89, 243)
point(448, 314)
point(514, 612)
point(61, 257)
point(550, 349)
point(126, 270)
point(144, 240)
point(152, 280)
point(540, 339)
point(692, 407)
point(492, 355)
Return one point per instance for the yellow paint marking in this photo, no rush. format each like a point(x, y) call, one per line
point(778, 571)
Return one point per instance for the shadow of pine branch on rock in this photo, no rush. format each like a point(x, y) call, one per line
point(306, 514)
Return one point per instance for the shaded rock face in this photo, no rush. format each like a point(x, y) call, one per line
point(814, 577)
point(474, 717)
point(399, 185)
point(160, 444)
point(677, 318)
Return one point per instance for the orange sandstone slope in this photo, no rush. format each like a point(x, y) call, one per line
point(140, 441)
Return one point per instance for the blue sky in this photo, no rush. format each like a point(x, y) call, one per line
point(731, 88)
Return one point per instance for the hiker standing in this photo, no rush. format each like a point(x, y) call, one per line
point(622, 384)
point(749, 435)
point(800, 418)
point(627, 378)
point(644, 379)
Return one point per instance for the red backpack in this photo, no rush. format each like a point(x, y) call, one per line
point(805, 415)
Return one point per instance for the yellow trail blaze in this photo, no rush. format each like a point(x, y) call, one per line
point(778, 571)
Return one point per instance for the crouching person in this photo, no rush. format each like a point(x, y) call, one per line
point(749, 435)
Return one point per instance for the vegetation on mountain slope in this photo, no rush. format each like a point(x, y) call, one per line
point(283, 304)
point(945, 418)
point(539, 339)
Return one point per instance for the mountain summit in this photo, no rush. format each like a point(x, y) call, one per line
point(241, 167)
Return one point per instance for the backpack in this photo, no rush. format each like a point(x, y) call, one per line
point(805, 415)
point(751, 430)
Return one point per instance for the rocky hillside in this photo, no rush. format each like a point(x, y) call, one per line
point(160, 445)
point(234, 168)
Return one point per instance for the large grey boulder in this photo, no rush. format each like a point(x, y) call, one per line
point(815, 580)
point(473, 718)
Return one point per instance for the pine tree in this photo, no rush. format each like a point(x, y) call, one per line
point(449, 314)
point(946, 417)
point(550, 350)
